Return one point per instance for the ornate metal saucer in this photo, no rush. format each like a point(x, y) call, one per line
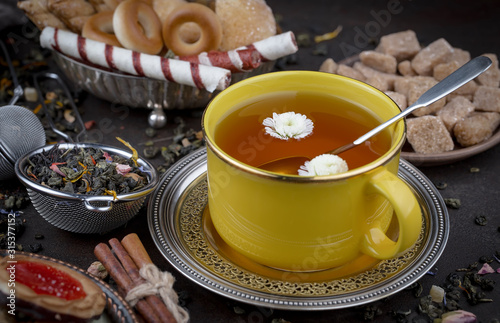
point(182, 230)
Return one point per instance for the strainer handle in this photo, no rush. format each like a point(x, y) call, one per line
point(91, 207)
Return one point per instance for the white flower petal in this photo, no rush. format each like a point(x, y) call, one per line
point(326, 164)
point(288, 125)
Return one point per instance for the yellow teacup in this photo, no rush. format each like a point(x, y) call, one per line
point(308, 223)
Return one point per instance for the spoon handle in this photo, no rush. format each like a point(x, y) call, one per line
point(452, 82)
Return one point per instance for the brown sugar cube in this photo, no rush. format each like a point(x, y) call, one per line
point(329, 66)
point(453, 95)
point(405, 69)
point(398, 98)
point(428, 135)
point(490, 77)
point(476, 128)
point(467, 89)
point(369, 72)
point(415, 87)
point(401, 45)
point(435, 53)
point(460, 55)
point(379, 61)
point(350, 72)
point(487, 98)
point(455, 110)
point(413, 96)
point(442, 70)
point(378, 82)
point(404, 84)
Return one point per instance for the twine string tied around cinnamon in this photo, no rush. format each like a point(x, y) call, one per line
point(158, 283)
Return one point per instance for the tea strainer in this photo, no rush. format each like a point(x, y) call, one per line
point(81, 213)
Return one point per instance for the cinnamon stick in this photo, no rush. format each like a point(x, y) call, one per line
point(136, 250)
point(133, 271)
point(116, 271)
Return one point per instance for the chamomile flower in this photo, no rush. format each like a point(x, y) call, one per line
point(326, 164)
point(288, 125)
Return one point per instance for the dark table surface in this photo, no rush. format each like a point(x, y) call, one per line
point(471, 25)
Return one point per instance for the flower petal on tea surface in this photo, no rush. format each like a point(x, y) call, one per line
point(288, 125)
point(326, 164)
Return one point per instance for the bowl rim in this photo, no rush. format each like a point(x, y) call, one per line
point(149, 170)
point(100, 69)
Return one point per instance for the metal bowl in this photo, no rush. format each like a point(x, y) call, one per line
point(141, 92)
point(82, 213)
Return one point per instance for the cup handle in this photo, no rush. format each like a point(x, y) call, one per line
point(375, 242)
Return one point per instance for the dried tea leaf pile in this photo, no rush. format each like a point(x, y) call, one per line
point(86, 170)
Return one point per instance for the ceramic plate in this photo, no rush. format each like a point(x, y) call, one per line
point(459, 153)
point(117, 309)
point(182, 230)
point(449, 157)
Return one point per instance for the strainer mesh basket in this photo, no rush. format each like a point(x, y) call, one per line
point(75, 217)
point(20, 131)
point(6, 168)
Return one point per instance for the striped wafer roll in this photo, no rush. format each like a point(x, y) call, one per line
point(275, 47)
point(205, 77)
point(242, 60)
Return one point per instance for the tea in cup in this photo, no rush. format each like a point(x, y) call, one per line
point(307, 223)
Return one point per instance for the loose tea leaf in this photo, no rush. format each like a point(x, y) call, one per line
point(416, 288)
point(36, 247)
point(441, 185)
point(453, 203)
point(481, 220)
point(303, 40)
point(371, 311)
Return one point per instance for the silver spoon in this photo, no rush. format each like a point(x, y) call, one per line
point(464, 74)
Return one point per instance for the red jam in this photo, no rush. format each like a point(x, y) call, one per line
point(47, 280)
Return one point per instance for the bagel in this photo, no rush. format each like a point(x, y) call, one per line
point(137, 27)
point(99, 27)
point(210, 30)
point(190, 32)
